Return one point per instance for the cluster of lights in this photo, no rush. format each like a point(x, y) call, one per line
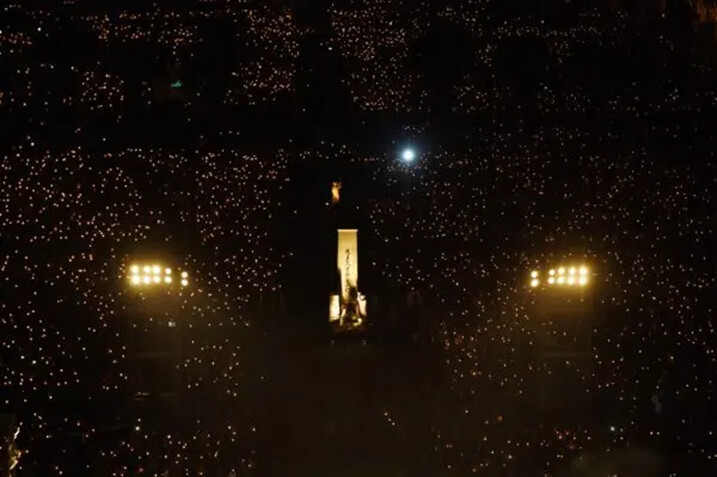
point(105, 208)
point(562, 276)
point(154, 275)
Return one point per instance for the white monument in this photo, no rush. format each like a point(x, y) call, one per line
point(347, 309)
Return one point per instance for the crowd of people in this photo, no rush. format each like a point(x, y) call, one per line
point(75, 221)
point(585, 156)
point(630, 219)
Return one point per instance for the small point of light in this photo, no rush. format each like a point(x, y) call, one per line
point(534, 274)
point(408, 155)
point(551, 280)
point(534, 282)
point(167, 279)
point(185, 282)
point(167, 271)
point(185, 274)
point(551, 272)
point(134, 269)
point(561, 271)
point(146, 279)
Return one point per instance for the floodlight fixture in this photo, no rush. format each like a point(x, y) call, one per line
point(563, 275)
point(154, 274)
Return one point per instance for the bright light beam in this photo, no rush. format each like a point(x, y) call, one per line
point(408, 155)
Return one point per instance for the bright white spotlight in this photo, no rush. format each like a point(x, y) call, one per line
point(146, 279)
point(167, 271)
point(534, 274)
point(583, 271)
point(146, 269)
point(156, 279)
point(561, 280)
point(571, 271)
point(134, 280)
point(534, 282)
point(408, 155)
point(134, 269)
point(167, 279)
point(156, 269)
point(185, 274)
point(571, 280)
point(551, 272)
point(551, 280)
point(583, 281)
point(561, 271)
point(185, 282)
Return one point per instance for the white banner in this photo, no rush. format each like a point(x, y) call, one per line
point(347, 261)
